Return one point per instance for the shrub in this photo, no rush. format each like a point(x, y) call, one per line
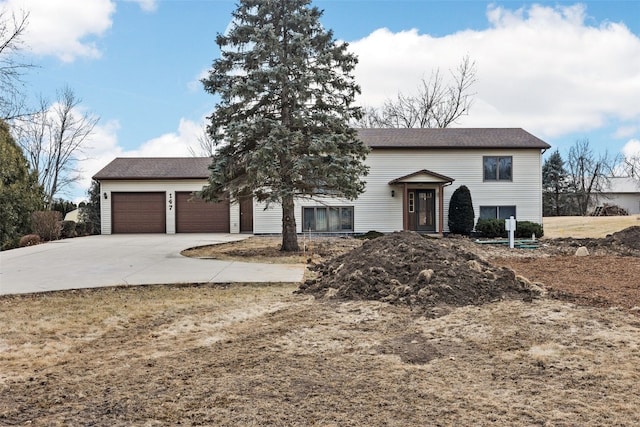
point(29, 240)
point(461, 211)
point(46, 224)
point(81, 229)
point(525, 229)
point(495, 228)
point(10, 243)
point(491, 227)
point(68, 229)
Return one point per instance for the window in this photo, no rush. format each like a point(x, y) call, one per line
point(328, 219)
point(498, 168)
point(412, 202)
point(497, 212)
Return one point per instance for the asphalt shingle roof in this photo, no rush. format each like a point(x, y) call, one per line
point(156, 168)
point(451, 138)
point(197, 167)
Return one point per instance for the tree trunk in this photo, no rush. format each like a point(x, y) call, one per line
point(289, 235)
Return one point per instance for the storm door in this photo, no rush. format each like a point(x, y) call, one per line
point(421, 206)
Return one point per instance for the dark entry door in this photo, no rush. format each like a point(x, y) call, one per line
point(246, 214)
point(422, 210)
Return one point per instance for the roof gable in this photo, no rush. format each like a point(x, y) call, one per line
point(451, 138)
point(155, 168)
point(422, 176)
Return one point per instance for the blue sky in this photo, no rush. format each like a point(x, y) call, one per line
point(561, 70)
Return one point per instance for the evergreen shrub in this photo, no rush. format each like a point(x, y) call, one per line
point(461, 211)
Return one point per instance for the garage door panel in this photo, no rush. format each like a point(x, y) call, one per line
point(138, 212)
point(194, 215)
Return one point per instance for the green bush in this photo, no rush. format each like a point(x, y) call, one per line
point(491, 227)
point(29, 240)
point(46, 224)
point(68, 229)
point(525, 229)
point(495, 228)
point(461, 211)
point(10, 243)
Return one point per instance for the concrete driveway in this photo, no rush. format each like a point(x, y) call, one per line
point(131, 259)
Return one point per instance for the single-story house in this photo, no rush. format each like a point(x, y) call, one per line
point(621, 191)
point(413, 173)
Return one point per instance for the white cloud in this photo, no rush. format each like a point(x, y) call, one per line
point(195, 85)
point(104, 147)
point(146, 5)
point(625, 131)
point(174, 144)
point(542, 68)
point(631, 148)
point(64, 28)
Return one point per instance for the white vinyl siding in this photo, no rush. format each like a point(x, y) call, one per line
point(376, 209)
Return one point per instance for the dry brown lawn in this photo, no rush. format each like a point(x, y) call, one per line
point(256, 355)
point(587, 226)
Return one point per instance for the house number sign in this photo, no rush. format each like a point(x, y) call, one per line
point(170, 201)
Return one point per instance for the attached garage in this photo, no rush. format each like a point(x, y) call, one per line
point(194, 215)
point(156, 195)
point(138, 212)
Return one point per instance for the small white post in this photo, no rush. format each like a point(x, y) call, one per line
point(510, 226)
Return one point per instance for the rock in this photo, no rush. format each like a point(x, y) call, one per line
point(582, 251)
point(425, 276)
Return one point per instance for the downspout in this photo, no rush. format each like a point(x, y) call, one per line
point(441, 206)
point(405, 213)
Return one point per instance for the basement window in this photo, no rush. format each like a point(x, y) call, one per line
point(497, 212)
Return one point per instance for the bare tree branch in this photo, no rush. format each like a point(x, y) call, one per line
point(206, 145)
point(12, 29)
point(53, 138)
point(588, 173)
point(435, 105)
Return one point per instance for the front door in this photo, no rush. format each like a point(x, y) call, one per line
point(421, 206)
point(246, 214)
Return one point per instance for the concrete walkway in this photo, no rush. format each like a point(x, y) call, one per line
point(138, 259)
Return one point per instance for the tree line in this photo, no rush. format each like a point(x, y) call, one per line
point(41, 146)
point(572, 184)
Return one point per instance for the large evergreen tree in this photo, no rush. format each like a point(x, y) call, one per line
point(554, 185)
point(20, 194)
point(281, 125)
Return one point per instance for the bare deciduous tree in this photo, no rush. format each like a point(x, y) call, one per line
point(12, 28)
point(588, 173)
point(206, 145)
point(437, 104)
point(53, 138)
point(632, 166)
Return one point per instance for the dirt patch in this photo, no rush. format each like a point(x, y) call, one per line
point(267, 249)
point(603, 281)
point(256, 355)
point(261, 356)
point(407, 268)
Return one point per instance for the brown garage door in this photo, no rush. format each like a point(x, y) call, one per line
point(194, 215)
point(138, 212)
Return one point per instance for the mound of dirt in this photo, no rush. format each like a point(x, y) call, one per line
point(406, 268)
point(629, 237)
point(625, 242)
